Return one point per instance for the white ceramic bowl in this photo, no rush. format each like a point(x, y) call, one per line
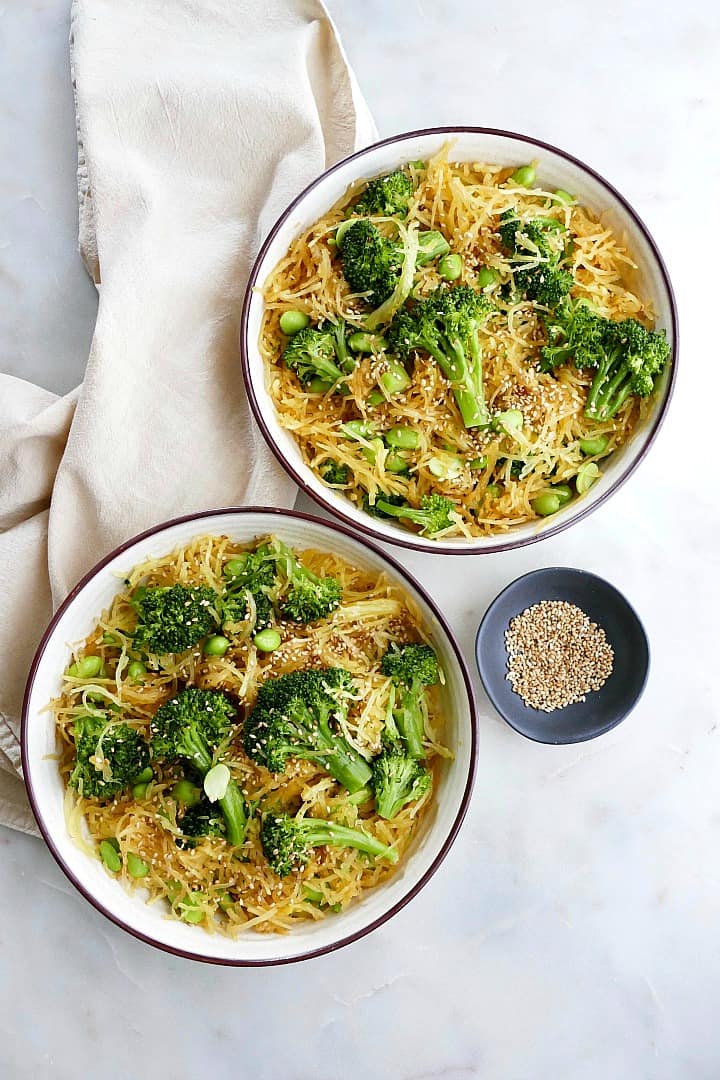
point(75, 620)
point(557, 169)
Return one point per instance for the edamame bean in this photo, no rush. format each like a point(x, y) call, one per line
point(396, 463)
point(402, 438)
point(418, 164)
point(90, 667)
point(293, 321)
point(111, 639)
point(190, 912)
point(145, 776)
point(217, 645)
point(357, 429)
point(139, 791)
point(395, 379)
point(375, 397)
point(450, 267)
point(136, 671)
point(493, 491)
point(486, 276)
point(586, 477)
point(234, 567)
point(546, 504)
point(226, 902)
point(110, 854)
point(319, 386)
point(371, 452)
point(267, 640)
point(136, 867)
point(185, 793)
point(563, 492)
point(366, 343)
point(594, 446)
point(565, 197)
point(478, 464)
point(524, 176)
point(448, 467)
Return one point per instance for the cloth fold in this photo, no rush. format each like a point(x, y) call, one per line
point(197, 122)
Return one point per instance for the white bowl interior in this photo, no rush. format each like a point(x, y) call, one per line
point(554, 171)
point(42, 774)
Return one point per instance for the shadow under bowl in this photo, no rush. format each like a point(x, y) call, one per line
point(602, 709)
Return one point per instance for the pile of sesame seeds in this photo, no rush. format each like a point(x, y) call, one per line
point(556, 655)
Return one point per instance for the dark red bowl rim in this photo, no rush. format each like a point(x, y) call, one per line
point(404, 575)
point(409, 542)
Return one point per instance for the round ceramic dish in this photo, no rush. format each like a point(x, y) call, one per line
point(603, 709)
point(556, 169)
point(76, 618)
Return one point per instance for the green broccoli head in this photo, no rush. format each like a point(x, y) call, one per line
point(334, 473)
point(312, 353)
point(109, 756)
point(191, 726)
point(204, 820)
point(297, 715)
point(173, 619)
point(446, 325)
point(398, 779)
point(432, 516)
point(386, 195)
point(288, 841)
point(405, 664)
point(251, 577)
point(308, 596)
point(540, 241)
point(574, 333)
point(371, 263)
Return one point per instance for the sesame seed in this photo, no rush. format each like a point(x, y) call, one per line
point(556, 655)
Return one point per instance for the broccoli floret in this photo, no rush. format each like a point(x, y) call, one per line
point(631, 359)
point(108, 757)
point(386, 195)
point(407, 664)
point(309, 597)
point(205, 819)
point(627, 357)
point(318, 353)
point(333, 472)
point(252, 578)
point(574, 333)
point(431, 517)
point(371, 262)
point(412, 668)
point(173, 619)
point(398, 779)
point(537, 271)
point(191, 727)
point(446, 325)
point(288, 841)
point(296, 715)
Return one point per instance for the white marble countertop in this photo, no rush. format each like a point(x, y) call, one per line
point(573, 930)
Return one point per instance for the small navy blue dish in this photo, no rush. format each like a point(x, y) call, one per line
point(601, 601)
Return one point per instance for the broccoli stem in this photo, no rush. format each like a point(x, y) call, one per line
point(348, 767)
point(411, 721)
point(233, 808)
point(600, 405)
point(465, 379)
point(319, 833)
point(232, 803)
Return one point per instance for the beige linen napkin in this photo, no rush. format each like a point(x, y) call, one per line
point(198, 121)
